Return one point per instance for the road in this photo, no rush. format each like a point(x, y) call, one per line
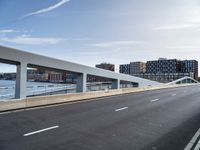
point(164, 119)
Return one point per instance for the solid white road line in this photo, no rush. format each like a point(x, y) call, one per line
point(197, 146)
point(193, 140)
point(42, 130)
point(154, 100)
point(121, 109)
point(173, 94)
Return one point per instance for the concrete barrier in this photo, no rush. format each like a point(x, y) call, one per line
point(64, 98)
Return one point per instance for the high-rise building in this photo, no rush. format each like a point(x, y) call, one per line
point(137, 67)
point(190, 66)
point(172, 69)
point(125, 68)
point(163, 66)
point(163, 70)
point(106, 66)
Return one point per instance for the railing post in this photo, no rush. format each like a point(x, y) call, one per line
point(21, 79)
point(81, 83)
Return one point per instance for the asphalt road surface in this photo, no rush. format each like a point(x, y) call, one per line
point(164, 119)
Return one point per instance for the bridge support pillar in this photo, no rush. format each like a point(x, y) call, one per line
point(81, 83)
point(21, 79)
point(181, 81)
point(115, 84)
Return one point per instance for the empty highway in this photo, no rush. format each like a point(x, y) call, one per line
point(164, 119)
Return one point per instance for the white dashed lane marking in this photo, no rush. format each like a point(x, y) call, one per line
point(154, 100)
point(123, 108)
point(173, 94)
point(39, 131)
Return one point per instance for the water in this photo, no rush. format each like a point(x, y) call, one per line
point(7, 88)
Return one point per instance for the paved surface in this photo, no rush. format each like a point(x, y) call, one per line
point(159, 120)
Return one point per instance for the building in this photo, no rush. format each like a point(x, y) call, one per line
point(57, 77)
point(137, 67)
point(31, 74)
point(106, 66)
point(133, 68)
point(176, 68)
point(190, 66)
point(42, 75)
point(163, 66)
point(163, 77)
point(9, 76)
point(163, 70)
point(125, 68)
point(38, 75)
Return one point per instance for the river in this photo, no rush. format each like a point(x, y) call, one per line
point(7, 88)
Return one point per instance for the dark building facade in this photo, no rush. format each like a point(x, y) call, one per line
point(163, 66)
point(106, 66)
point(166, 70)
point(137, 67)
point(9, 76)
point(163, 77)
point(190, 66)
point(125, 68)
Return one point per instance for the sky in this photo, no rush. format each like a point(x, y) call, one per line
point(95, 31)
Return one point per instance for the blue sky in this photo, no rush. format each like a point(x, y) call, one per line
point(95, 31)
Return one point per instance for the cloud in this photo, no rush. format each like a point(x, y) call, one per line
point(177, 26)
point(44, 10)
point(183, 47)
point(193, 15)
point(115, 44)
point(81, 39)
point(28, 40)
point(8, 31)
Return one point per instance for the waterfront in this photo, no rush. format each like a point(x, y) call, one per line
point(7, 88)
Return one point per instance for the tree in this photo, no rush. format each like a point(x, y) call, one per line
point(1, 75)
